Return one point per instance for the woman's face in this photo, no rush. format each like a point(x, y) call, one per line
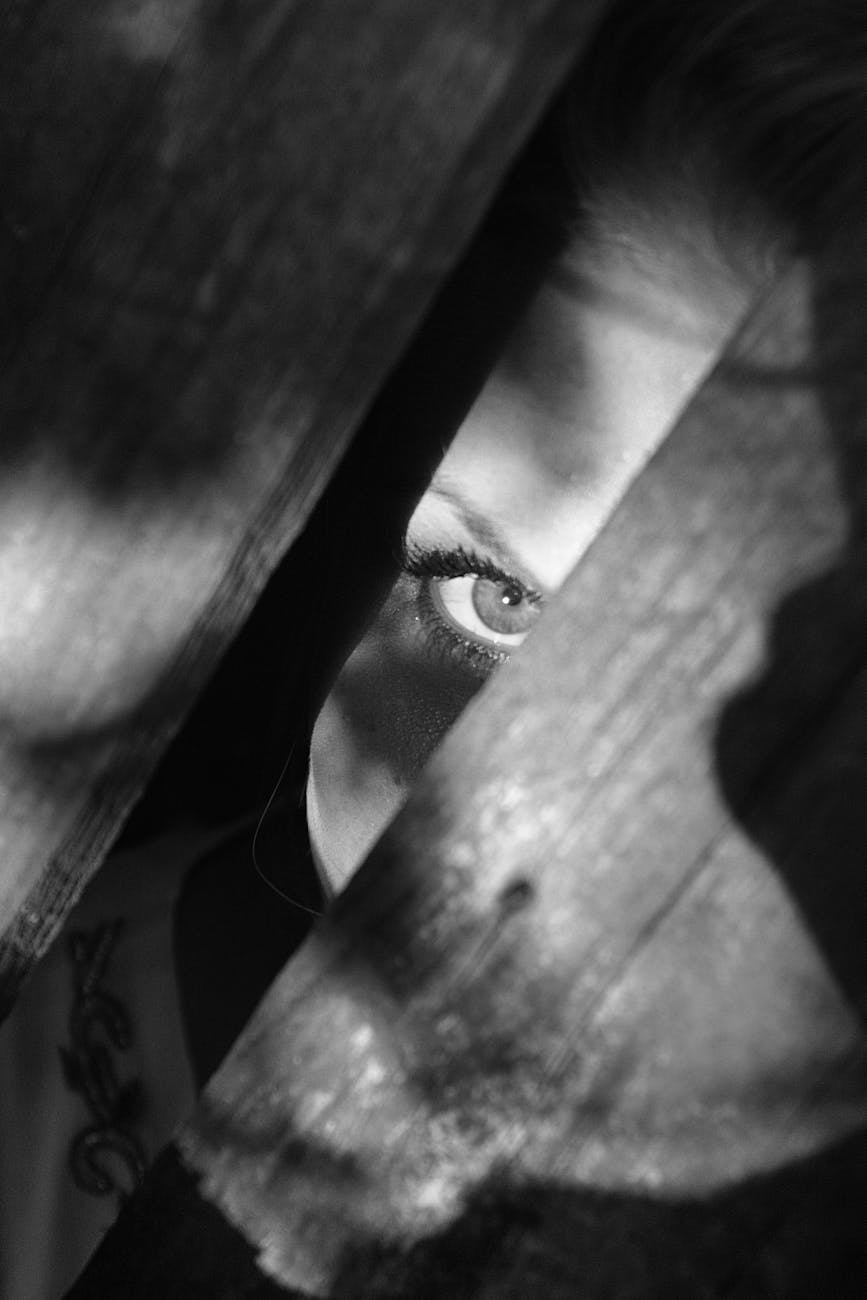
point(608, 354)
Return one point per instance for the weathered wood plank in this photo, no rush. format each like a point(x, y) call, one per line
point(206, 297)
point(70, 95)
point(589, 1022)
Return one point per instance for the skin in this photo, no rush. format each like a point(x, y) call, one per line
point(606, 358)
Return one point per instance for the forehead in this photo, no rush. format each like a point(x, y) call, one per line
point(608, 354)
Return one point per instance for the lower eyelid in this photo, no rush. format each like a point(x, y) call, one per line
point(480, 659)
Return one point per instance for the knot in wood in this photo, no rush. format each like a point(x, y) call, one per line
point(515, 896)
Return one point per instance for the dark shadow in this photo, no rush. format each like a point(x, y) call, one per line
point(796, 1234)
point(236, 922)
point(170, 1242)
point(792, 1235)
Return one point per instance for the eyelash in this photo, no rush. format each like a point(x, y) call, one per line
point(437, 564)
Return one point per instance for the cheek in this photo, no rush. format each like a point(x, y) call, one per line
point(389, 708)
point(395, 710)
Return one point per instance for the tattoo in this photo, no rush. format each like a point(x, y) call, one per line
point(106, 1157)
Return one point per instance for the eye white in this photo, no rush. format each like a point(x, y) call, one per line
point(495, 613)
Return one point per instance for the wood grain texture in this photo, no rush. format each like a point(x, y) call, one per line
point(221, 224)
point(589, 1021)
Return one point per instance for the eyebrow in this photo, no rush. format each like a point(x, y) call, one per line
point(486, 533)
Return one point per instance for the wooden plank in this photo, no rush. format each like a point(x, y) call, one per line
point(70, 95)
point(204, 310)
point(585, 1023)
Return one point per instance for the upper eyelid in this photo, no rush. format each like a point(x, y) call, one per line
point(446, 512)
point(459, 562)
point(486, 534)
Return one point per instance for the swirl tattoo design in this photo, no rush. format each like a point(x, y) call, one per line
point(106, 1157)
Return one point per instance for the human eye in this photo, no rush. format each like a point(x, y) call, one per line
point(468, 607)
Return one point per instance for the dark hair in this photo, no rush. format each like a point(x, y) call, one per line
point(755, 109)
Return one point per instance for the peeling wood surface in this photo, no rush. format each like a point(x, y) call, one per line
point(220, 225)
point(590, 1020)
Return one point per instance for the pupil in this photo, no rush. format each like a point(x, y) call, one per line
point(502, 608)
